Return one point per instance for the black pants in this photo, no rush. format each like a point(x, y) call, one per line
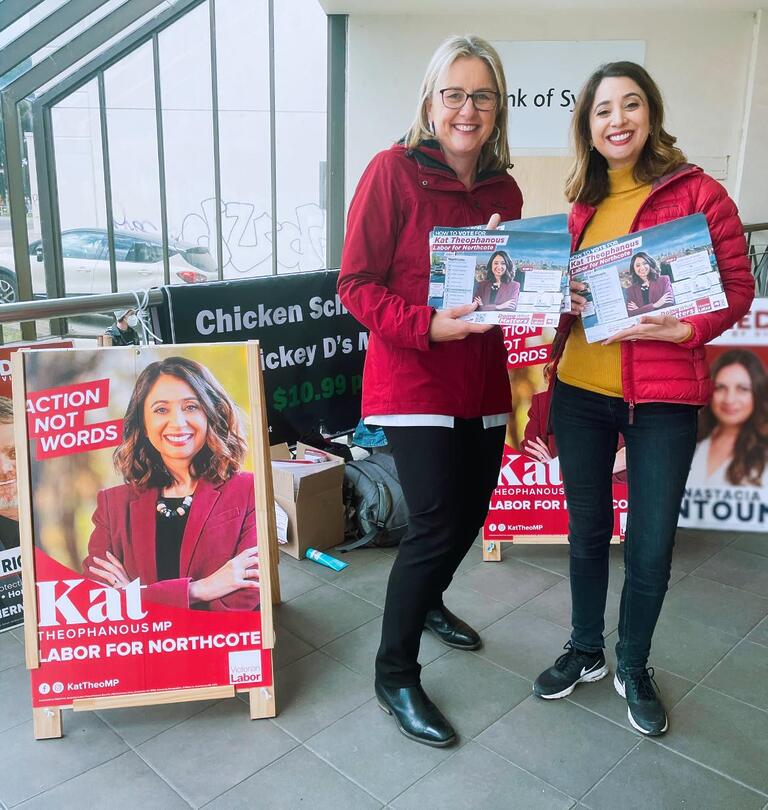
point(660, 441)
point(447, 475)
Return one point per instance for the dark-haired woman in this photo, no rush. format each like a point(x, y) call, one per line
point(184, 521)
point(498, 290)
point(645, 382)
point(733, 427)
point(649, 289)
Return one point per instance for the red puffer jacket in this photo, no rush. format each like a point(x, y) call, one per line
point(384, 282)
point(652, 370)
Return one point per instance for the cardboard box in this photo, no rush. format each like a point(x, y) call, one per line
point(315, 511)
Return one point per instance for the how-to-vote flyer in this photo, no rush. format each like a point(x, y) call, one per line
point(669, 269)
point(517, 278)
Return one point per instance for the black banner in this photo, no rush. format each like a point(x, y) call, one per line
point(11, 610)
point(312, 349)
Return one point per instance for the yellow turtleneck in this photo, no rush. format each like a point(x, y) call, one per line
point(591, 365)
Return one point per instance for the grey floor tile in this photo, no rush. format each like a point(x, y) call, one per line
point(601, 697)
point(739, 569)
point(477, 609)
point(554, 605)
point(357, 649)
point(15, 696)
point(722, 733)
point(559, 742)
point(695, 546)
point(39, 765)
point(288, 648)
point(299, 779)
point(552, 557)
point(214, 750)
point(123, 783)
point(369, 582)
point(11, 651)
point(316, 691)
point(721, 606)
point(139, 724)
point(688, 648)
point(511, 582)
point(367, 748)
point(523, 643)
point(753, 542)
point(472, 692)
point(324, 614)
point(295, 581)
point(743, 674)
point(476, 778)
point(760, 634)
point(651, 777)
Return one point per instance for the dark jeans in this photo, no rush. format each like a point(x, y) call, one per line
point(660, 441)
point(447, 475)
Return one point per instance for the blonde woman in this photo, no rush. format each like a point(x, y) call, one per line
point(436, 384)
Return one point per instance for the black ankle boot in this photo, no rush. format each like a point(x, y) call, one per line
point(416, 715)
point(451, 630)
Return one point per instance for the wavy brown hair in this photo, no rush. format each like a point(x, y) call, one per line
point(495, 151)
point(140, 463)
point(653, 267)
point(509, 269)
point(587, 181)
point(749, 452)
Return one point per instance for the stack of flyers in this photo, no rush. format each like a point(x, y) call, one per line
point(669, 269)
point(518, 278)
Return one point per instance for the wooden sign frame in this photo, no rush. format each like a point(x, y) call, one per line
point(47, 721)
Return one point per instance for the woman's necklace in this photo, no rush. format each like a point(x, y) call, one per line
point(180, 510)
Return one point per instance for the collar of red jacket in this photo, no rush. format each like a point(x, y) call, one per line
point(430, 160)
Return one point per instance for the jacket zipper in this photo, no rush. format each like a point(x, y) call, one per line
point(628, 350)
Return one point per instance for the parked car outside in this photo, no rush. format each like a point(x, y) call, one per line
point(138, 257)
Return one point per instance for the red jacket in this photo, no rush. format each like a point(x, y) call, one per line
point(221, 524)
point(508, 291)
point(384, 282)
point(656, 371)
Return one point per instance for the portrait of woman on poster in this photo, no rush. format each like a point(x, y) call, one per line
point(733, 427)
point(183, 522)
point(498, 290)
point(650, 289)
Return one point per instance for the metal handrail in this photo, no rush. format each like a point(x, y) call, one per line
point(43, 308)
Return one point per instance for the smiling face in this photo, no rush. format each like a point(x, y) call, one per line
point(174, 420)
point(732, 399)
point(8, 494)
point(619, 121)
point(498, 267)
point(641, 268)
point(462, 133)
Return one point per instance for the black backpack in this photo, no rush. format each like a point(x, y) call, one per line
point(374, 506)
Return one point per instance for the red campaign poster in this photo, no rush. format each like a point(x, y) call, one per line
point(727, 487)
point(144, 521)
point(11, 603)
point(529, 503)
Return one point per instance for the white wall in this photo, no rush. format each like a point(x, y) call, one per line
point(701, 62)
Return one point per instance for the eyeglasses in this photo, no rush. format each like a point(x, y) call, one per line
point(455, 99)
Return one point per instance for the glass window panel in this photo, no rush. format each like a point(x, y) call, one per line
point(185, 75)
point(23, 24)
point(242, 54)
point(105, 46)
point(132, 131)
point(80, 183)
point(300, 99)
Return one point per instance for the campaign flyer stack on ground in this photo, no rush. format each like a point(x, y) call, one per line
point(517, 278)
point(669, 269)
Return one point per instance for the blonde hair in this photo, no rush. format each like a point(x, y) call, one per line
point(495, 151)
point(587, 181)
